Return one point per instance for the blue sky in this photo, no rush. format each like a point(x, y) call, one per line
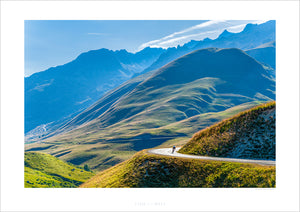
point(50, 43)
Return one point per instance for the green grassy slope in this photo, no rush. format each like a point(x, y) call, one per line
point(195, 123)
point(249, 134)
point(103, 148)
point(146, 170)
point(44, 171)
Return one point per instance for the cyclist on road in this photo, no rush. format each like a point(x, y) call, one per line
point(173, 149)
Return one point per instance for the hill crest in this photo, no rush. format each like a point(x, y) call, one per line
point(249, 134)
point(146, 170)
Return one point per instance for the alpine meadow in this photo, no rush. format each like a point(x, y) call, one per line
point(170, 113)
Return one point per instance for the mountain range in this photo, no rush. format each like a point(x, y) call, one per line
point(251, 37)
point(162, 107)
point(62, 92)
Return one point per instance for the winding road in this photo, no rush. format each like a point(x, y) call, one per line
point(168, 152)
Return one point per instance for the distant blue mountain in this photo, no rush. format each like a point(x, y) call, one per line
point(251, 37)
point(60, 91)
point(265, 54)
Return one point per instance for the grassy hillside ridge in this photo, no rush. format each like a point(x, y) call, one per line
point(198, 122)
point(145, 170)
point(43, 170)
point(249, 134)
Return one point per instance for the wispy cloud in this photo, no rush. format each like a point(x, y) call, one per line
point(209, 29)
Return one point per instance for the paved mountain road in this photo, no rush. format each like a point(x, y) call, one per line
point(168, 152)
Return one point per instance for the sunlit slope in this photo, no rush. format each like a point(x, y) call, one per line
point(249, 134)
point(44, 171)
point(171, 103)
point(144, 170)
point(100, 154)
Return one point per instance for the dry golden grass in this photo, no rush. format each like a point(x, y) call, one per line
point(145, 170)
point(220, 139)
